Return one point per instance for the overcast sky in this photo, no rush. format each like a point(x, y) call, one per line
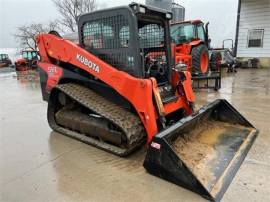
point(220, 13)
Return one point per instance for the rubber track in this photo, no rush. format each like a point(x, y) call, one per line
point(128, 122)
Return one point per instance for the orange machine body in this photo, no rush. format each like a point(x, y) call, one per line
point(139, 92)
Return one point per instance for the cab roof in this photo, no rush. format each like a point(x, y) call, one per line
point(187, 22)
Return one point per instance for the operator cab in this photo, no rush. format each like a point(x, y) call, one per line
point(3, 57)
point(188, 31)
point(29, 55)
point(134, 39)
point(4, 60)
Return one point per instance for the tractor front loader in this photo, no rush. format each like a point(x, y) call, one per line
point(119, 89)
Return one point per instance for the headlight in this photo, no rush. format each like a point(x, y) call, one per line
point(142, 9)
point(181, 67)
point(169, 16)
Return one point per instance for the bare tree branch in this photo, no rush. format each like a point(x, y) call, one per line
point(26, 33)
point(70, 10)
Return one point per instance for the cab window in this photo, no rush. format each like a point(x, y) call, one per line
point(29, 55)
point(34, 54)
point(25, 55)
point(124, 36)
point(103, 34)
point(151, 35)
point(3, 56)
point(182, 33)
point(201, 34)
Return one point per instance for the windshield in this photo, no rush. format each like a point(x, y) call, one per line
point(29, 55)
point(151, 35)
point(182, 33)
point(3, 56)
point(25, 55)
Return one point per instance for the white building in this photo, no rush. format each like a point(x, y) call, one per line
point(253, 31)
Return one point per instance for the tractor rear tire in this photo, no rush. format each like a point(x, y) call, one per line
point(200, 59)
point(215, 61)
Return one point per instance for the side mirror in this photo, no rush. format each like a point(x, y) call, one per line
point(209, 40)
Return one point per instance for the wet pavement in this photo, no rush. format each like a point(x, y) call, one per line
point(37, 164)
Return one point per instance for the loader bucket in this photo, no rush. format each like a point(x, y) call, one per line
point(202, 152)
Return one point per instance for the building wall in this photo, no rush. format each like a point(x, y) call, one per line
point(255, 14)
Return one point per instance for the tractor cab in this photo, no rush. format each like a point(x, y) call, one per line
point(4, 60)
point(27, 61)
point(29, 55)
point(3, 57)
point(189, 31)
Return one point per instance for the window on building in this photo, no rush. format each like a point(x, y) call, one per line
point(255, 38)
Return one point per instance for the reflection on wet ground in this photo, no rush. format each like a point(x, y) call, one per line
point(37, 164)
point(26, 79)
point(29, 79)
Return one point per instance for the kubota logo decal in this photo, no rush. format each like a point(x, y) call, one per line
point(51, 70)
point(87, 63)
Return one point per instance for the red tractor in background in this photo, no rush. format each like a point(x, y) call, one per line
point(191, 38)
point(28, 61)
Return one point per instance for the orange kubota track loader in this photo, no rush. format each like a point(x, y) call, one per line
point(111, 92)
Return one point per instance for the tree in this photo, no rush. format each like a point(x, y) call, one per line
point(27, 33)
point(70, 10)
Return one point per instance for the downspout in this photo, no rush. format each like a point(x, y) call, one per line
point(237, 27)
